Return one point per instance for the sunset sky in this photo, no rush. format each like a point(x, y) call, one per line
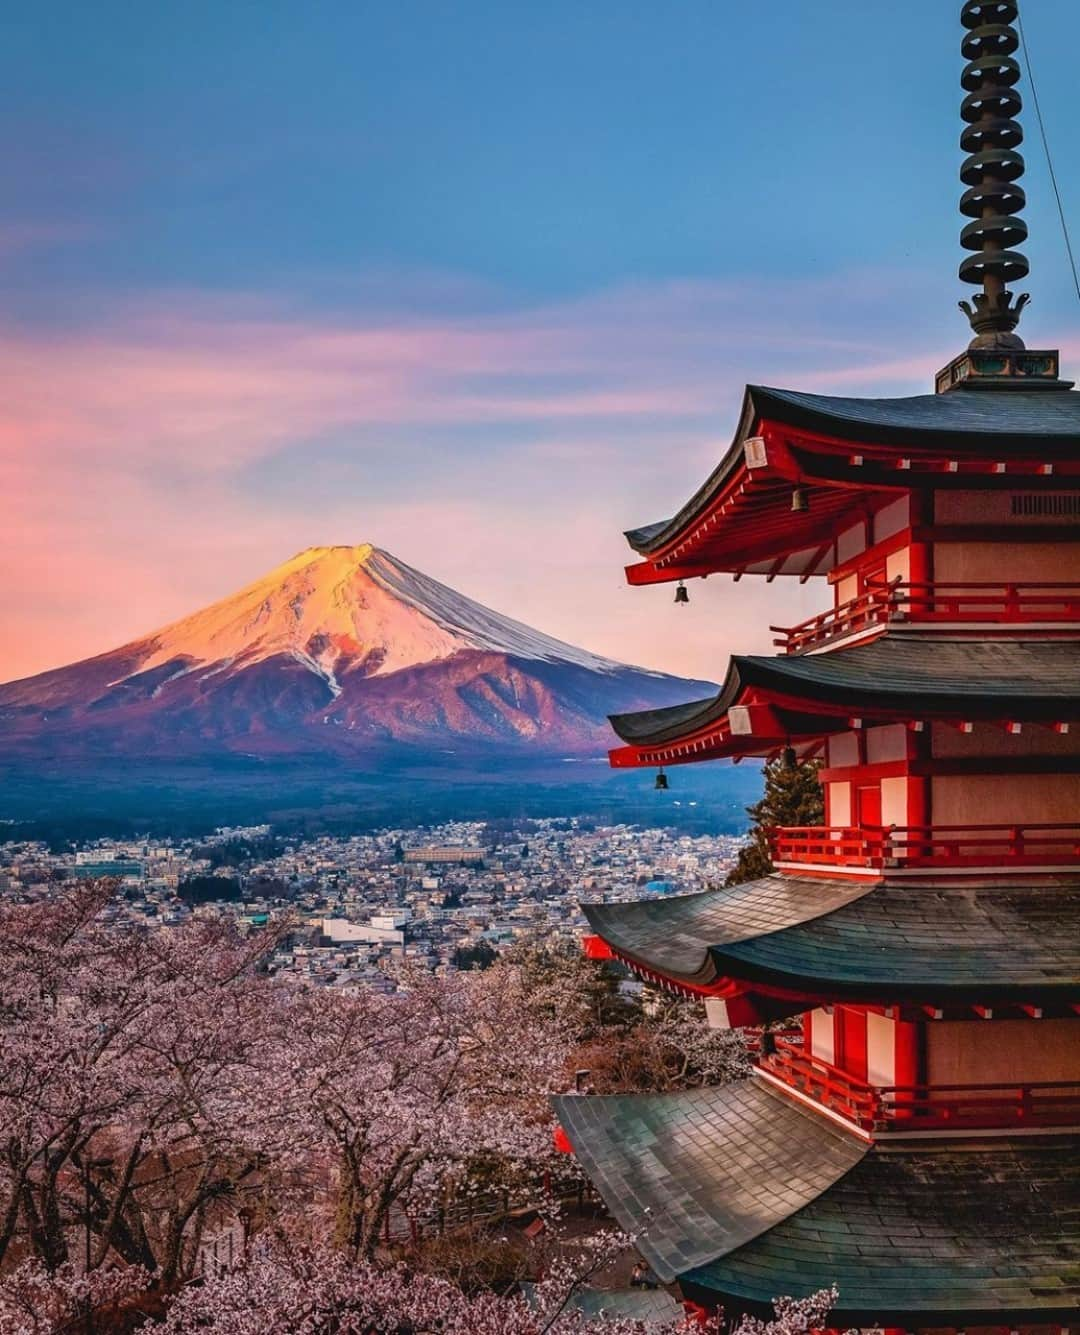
point(480, 283)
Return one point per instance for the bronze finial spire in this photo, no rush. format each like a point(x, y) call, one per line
point(996, 358)
point(993, 200)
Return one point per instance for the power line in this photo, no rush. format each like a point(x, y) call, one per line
point(1046, 150)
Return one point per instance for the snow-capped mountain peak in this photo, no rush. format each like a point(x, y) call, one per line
point(348, 608)
point(341, 652)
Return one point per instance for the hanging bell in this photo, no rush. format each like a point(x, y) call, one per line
point(661, 780)
point(800, 502)
point(788, 758)
point(682, 593)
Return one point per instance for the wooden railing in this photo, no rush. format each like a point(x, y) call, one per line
point(932, 846)
point(908, 1108)
point(947, 604)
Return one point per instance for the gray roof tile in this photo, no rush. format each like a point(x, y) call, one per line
point(698, 1173)
point(988, 1231)
point(742, 1194)
point(902, 940)
point(961, 678)
point(1019, 423)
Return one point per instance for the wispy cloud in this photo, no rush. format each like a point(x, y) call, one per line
point(16, 238)
point(165, 456)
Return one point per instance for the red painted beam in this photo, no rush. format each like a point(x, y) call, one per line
point(646, 573)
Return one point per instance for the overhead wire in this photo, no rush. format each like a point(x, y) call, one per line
point(1046, 149)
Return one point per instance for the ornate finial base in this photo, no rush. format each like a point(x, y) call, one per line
point(1000, 365)
point(994, 318)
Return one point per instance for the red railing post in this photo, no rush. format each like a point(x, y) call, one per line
point(933, 1107)
point(880, 603)
point(959, 846)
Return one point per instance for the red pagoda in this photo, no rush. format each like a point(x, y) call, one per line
point(918, 1144)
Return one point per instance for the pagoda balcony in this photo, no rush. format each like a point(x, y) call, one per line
point(915, 848)
point(905, 1110)
point(937, 606)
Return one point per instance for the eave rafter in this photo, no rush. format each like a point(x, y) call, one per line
point(750, 520)
point(799, 701)
point(746, 518)
point(750, 1002)
point(762, 723)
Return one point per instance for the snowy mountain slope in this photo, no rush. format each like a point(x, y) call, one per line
point(353, 606)
point(341, 649)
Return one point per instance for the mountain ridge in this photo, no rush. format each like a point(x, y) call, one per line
point(339, 649)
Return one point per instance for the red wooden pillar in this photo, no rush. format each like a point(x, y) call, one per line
point(907, 1053)
point(921, 554)
point(851, 1047)
point(920, 755)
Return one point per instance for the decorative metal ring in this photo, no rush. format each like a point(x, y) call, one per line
point(998, 228)
point(996, 101)
point(995, 39)
point(1002, 71)
point(1008, 265)
point(991, 134)
point(988, 13)
point(998, 195)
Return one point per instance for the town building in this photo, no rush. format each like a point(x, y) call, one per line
point(916, 1141)
point(447, 855)
point(356, 911)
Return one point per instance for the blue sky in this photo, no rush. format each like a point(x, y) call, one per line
point(478, 282)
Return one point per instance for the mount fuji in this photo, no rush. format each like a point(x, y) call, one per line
point(341, 651)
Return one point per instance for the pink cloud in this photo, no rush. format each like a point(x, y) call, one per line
point(17, 238)
point(132, 455)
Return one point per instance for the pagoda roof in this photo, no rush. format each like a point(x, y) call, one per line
point(676, 934)
point(741, 1194)
point(939, 1233)
point(844, 939)
point(893, 677)
point(841, 448)
point(715, 1167)
point(1029, 419)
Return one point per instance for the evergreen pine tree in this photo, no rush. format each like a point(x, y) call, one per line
point(792, 797)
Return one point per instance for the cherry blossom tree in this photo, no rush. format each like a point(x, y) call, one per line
point(403, 1094)
point(794, 1316)
point(627, 1046)
point(158, 1086)
point(120, 1056)
point(672, 1048)
point(580, 995)
point(280, 1290)
point(36, 1301)
point(154, 1084)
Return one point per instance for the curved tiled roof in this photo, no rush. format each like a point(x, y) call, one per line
point(1032, 416)
point(698, 1174)
point(936, 1232)
point(902, 941)
point(892, 676)
point(677, 935)
point(741, 1194)
point(961, 422)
